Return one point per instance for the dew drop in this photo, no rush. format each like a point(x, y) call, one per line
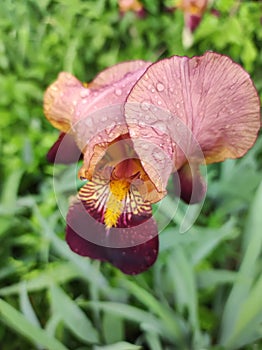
point(89, 122)
point(145, 146)
point(160, 127)
point(141, 123)
point(158, 155)
point(145, 105)
point(84, 93)
point(118, 92)
point(160, 87)
point(110, 128)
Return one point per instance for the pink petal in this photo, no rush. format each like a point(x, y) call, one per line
point(131, 249)
point(64, 150)
point(206, 101)
point(59, 100)
point(95, 113)
point(119, 71)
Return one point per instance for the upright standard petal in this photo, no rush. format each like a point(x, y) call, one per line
point(208, 104)
point(60, 99)
point(92, 113)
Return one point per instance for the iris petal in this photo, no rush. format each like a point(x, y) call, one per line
point(211, 97)
point(92, 114)
point(189, 184)
point(119, 245)
point(64, 150)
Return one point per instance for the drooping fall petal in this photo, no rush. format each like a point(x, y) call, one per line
point(132, 249)
point(64, 150)
point(189, 184)
point(94, 113)
point(208, 104)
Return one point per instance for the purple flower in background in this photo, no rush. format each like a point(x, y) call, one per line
point(134, 125)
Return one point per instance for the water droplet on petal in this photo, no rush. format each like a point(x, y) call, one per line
point(141, 123)
point(145, 105)
point(89, 122)
point(158, 155)
point(145, 146)
point(84, 93)
point(160, 87)
point(118, 92)
point(160, 128)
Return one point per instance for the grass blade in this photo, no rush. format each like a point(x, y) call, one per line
point(78, 322)
point(246, 276)
point(22, 326)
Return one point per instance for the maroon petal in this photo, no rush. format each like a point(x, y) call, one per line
point(189, 185)
point(192, 21)
point(64, 150)
point(88, 237)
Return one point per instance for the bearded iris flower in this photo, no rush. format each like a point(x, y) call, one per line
point(193, 12)
point(131, 5)
point(134, 125)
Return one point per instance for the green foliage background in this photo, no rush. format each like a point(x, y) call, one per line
point(205, 290)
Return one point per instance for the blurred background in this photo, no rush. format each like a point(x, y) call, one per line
point(204, 291)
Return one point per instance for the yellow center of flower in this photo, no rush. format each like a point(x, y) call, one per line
point(115, 202)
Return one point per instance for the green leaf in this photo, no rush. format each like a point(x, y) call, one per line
point(248, 325)
point(198, 241)
point(113, 328)
point(183, 280)
point(58, 273)
point(134, 314)
point(24, 327)
point(9, 195)
point(73, 317)
point(170, 322)
point(213, 277)
point(26, 306)
point(242, 287)
point(119, 346)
